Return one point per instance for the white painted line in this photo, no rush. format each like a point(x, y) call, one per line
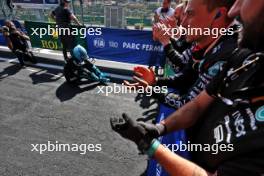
point(32, 70)
point(57, 55)
point(8, 60)
point(49, 66)
point(56, 67)
point(122, 77)
point(55, 75)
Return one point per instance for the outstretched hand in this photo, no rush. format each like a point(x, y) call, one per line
point(162, 33)
point(139, 132)
point(143, 77)
point(131, 130)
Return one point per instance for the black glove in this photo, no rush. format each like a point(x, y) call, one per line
point(139, 132)
point(154, 131)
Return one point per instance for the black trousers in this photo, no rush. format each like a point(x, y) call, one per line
point(68, 43)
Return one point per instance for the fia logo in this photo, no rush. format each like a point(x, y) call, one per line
point(99, 43)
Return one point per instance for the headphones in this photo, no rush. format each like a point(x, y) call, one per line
point(218, 15)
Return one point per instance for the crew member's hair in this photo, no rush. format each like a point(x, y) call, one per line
point(213, 4)
point(169, 1)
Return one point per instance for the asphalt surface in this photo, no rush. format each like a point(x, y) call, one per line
point(37, 106)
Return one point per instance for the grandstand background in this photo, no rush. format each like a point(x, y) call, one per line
point(137, 13)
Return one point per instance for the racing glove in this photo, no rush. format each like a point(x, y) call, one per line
point(139, 132)
point(102, 76)
point(146, 74)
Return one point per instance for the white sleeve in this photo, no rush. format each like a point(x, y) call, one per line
point(158, 10)
point(171, 12)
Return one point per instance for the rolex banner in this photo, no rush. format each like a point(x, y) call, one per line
point(46, 35)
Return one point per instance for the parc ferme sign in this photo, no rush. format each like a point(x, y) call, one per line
point(38, 38)
point(130, 46)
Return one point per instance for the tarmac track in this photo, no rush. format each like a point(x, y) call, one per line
point(37, 106)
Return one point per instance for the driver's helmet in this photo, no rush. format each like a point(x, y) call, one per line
point(79, 54)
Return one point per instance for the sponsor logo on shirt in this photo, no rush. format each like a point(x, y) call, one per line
point(260, 114)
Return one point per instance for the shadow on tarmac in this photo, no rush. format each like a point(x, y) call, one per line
point(44, 76)
point(146, 102)
point(9, 71)
point(66, 91)
point(144, 173)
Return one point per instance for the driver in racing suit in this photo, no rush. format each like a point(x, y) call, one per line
point(80, 59)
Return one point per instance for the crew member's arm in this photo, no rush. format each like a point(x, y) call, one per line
point(23, 35)
point(176, 165)
point(180, 44)
point(9, 43)
point(156, 17)
point(188, 114)
point(74, 18)
point(177, 100)
point(52, 15)
point(178, 59)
